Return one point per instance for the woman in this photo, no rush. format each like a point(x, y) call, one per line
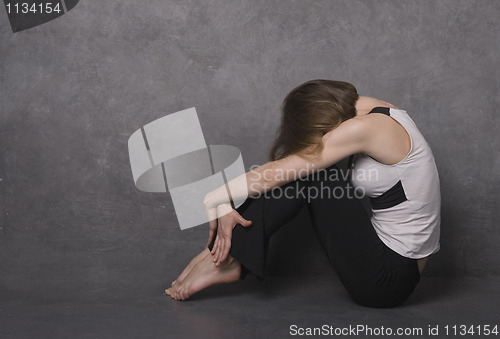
point(379, 258)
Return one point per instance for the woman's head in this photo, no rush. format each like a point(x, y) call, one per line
point(309, 112)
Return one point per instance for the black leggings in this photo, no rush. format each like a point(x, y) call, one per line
point(372, 273)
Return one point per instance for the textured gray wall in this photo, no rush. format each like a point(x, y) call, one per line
point(74, 89)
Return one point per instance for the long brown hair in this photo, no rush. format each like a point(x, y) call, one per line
point(310, 111)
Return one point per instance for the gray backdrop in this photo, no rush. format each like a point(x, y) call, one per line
point(74, 89)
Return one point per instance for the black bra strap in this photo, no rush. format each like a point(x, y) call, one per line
point(383, 110)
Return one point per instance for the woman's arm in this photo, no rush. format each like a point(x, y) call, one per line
point(352, 136)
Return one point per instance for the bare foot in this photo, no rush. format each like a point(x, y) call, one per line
point(205, 274)
point(188, 269)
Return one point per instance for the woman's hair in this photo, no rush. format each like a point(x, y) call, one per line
point(309, 112)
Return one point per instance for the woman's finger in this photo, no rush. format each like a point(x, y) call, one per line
point(212, 227)
point(212, 222)
point(216, 252)
point(225, 251)
point(226, 238)
point(243, 222)
point(221, 249)
point(216, 244)
point(219, 244)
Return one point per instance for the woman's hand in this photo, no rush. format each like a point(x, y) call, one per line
point(227, 219)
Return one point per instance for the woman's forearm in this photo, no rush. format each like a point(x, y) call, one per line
point(258, 180)
point(250, 183)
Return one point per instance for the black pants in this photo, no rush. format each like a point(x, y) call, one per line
point(372, 273)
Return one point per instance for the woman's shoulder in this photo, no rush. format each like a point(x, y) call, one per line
point(368, 103)
point(366, 123)
point(354, 130)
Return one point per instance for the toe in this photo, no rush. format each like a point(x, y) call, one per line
point(179, 295)
point(167, 291)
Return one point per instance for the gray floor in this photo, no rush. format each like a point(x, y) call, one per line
point(246, 309)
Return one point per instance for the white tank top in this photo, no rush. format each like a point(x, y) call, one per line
point(405, 197)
